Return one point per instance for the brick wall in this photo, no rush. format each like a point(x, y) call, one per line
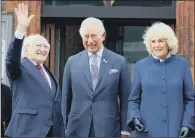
point(185, 31)
point(34, 8)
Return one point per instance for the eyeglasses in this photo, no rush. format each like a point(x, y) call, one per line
point(44, 46)
point(41, 45)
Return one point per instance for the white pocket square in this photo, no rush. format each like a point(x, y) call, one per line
point(113, 71)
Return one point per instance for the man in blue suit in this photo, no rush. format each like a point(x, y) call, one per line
point(94, 80)
point(36, 96)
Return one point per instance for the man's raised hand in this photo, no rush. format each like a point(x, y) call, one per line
point(22, 17)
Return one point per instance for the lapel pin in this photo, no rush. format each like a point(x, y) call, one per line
point(105, 61)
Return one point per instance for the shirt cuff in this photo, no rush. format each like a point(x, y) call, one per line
point(125, 133)
point(19, 34)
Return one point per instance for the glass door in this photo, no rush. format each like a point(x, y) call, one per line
point(133, 47)
point(113, 38)
point(126, 41)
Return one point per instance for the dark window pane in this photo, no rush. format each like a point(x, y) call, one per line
point(133, 39)
point(59, 2)
point(147, 3)
point(79, 3)
point(3, 5)
point(48, 2)
point(133, 46)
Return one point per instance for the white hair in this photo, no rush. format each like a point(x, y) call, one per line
point(29, 40)
point(91, 21)
point(161, 29)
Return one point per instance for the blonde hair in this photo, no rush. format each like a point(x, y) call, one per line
point(28, 41)
point(91, 21)
point(161, 29)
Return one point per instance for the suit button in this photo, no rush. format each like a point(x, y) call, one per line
point(163, 91)
point(164, 120)
point(163, 77)
point(164, 106)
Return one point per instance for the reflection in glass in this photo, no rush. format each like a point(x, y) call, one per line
point(143, 3)
point(133, 46)
point(126, 41)
point(48, 2)
point(74, 2)
point(3, 52)
point(3, 5)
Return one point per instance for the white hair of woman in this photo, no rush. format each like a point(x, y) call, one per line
point(91, 21)
point(162, 30)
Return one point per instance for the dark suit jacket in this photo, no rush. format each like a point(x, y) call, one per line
point(81, 105)
point(36, 107)
point(6, 105)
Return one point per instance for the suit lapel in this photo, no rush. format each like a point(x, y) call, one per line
point(57, 93)
point(34, 72)
point(52, 79)
point(104, 65)
point(86, 69)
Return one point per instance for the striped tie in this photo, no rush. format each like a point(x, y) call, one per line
point(42, 72)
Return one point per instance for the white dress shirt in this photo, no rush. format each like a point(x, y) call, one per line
point(99, 56)
point(46, 74)
point(20, 35)
point(161, 60)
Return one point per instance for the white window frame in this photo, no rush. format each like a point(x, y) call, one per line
point(8, 19)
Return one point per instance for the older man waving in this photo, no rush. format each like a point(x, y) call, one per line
point(36, 94)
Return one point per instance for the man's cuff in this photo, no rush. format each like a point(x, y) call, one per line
point(125, 133)
point(19, 34)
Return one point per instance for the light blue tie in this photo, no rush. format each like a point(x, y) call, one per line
point(94, 70)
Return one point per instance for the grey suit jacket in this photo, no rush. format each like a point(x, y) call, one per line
point(81, 105)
